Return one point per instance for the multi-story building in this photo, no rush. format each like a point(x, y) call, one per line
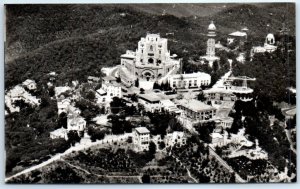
point(191, 80)
point(75, 123)
point(175, 138)
point(151, 61)
point(196, 110)
point(141, 138)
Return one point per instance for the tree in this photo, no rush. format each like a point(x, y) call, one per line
point(62, 120)
point(162, 145)
point(116, 105)
point(137, 83)
point(201, 96)
point(73, 137)
point(91, 95)
point(152, 148)
point(142, 91)
point(215, 66)
point(146, 179)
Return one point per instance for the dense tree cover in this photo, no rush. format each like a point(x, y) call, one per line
point(152, 148)
point(146, 178)
point(62, 175)
point(27, 139)
point(246, 167)
point(274, 73)
point(73, 137)
point(89, 110)
point(163, 122)
point(194, 156)
point(117, 105)
point(204, 130)
point(120, 125)
point(271, 138)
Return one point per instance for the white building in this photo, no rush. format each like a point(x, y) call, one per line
point(75, 122)
point(225, 122)
point(236, 36)
point(191, 80)
point(92, 79)
point(175, 138)
point(29, 84)
point(150, 101)
point(60, 90)
point(141, 138)
point(269, 45)
point(151, 61)
point(63, 105)
point(196, 110)
point(169, 106)
point(110, 88)
point(218, 140)
point(211, 51)
point(19, 93)
point(59, 133)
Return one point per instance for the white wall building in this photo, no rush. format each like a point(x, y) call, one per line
point(141, 138)
point(19, 93)
point(63, 105)
point(269, 45)
point(29, 84)
point(110, 88)
point(196, 110)
point(174, 138)
point(151, 61)
point(190, 80)
point(169, 106)
point(75, 122)
point(59, 133)
point(237, 35)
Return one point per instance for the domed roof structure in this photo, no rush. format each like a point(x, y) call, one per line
point(270, 39)
point(212, 26)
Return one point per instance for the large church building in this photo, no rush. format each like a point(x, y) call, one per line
point(150, 62)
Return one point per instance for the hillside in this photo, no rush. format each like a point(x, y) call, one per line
point(96, 35)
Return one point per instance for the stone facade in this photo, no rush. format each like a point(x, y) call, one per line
point(150, 62)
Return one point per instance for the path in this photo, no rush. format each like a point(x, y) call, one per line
point(224, 163)
point(79, 147)
point(109, 176)
point(189, 174)
point(288, 135)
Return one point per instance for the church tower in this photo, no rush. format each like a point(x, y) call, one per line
point(210, 51)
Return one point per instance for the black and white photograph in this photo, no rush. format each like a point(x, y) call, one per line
point(150, 93)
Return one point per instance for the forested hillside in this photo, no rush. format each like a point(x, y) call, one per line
point(85, 37)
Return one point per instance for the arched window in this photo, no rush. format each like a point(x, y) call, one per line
point(151, 48)
point(150, 60)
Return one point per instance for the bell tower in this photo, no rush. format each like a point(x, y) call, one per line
point(210, 51)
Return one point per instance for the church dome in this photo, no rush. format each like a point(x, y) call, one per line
point(212, 26)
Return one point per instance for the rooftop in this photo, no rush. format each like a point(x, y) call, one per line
point(191, 75)
point(142, 130)
point(238, 34)
point(109, 78)
point(150, 97)
point(195, 105)
point(28, 81)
